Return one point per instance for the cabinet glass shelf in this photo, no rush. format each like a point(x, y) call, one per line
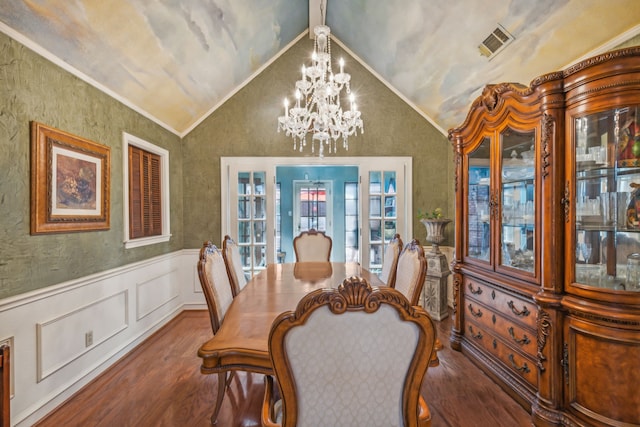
point(520, 223)
point(520, 181)
point(605, 171)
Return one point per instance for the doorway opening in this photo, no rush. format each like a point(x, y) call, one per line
point(360, 202)
point(316, 197)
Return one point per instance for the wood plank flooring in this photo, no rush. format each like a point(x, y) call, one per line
point(159, 384)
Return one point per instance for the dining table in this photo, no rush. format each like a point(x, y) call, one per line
point(242, 342)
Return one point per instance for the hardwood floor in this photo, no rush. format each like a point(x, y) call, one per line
point(160, 384)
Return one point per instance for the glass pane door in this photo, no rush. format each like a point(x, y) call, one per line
point(518, 199)
point(313, 207)
point(351, 225)
point(252, 220)
point(280, 255)
point(383, 219)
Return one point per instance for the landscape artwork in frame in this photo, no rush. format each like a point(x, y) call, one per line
point(69, 182)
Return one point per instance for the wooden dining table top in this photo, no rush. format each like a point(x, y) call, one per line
point(242, 342)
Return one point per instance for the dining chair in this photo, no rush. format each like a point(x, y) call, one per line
point(411, 271)
point(410, 275)
point(233, 262)
point(312, 245)
point(352, 356)
point(218, 293)
point(390, 261)
point(5, 386)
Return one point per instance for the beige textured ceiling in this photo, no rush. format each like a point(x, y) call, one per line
point(177, 60)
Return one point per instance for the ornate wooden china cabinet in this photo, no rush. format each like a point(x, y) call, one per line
point(547, 262)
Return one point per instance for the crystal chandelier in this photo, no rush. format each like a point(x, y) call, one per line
point(317, 109)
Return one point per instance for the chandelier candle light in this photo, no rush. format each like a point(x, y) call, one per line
point(317, 108)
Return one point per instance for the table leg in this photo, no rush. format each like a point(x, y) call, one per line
point(222, 387)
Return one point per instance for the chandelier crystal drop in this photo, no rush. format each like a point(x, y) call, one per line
point(317, 109)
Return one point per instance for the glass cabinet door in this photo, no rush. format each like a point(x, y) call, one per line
point(606, 244)
point(517, 192)
point(478, 203)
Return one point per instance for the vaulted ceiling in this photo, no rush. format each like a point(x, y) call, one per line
point(176, 61)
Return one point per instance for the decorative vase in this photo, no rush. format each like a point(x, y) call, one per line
point(435, 232)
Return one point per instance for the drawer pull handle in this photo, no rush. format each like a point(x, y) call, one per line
point(525, 339)
point(524, 313)
point(476, 314)
point(475, 291)
point(524, 368)
point(477, 336)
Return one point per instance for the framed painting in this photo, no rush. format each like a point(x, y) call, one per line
point(69, 182)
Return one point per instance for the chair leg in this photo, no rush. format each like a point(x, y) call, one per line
point(230, 377)
point(222, 386)
point(435, 361)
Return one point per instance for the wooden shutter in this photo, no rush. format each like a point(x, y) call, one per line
point(135, 193)
point(153, 220)
point(145, 214)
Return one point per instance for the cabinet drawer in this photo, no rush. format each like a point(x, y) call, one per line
point(521, 366)
point(512, 307)
point(511, 332)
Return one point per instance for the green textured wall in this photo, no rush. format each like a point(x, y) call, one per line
point(246, 125)
point(32, 88)
point(634, 41)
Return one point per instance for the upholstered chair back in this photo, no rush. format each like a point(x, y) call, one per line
point(351, 356)
point(390, 261)
point(411, 271)
point(312, 245)
point(214, 280)
point(231, 254)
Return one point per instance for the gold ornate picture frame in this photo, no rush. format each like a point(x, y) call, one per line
point(70, 182)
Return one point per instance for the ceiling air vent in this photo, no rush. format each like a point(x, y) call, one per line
point(495, 42)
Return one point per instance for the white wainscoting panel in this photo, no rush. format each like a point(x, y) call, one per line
point(121, 307)
point(63, 338)
point(156, 292)
point(195, 298)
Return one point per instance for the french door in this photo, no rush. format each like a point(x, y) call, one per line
point(250, 195)
point(313, 206)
